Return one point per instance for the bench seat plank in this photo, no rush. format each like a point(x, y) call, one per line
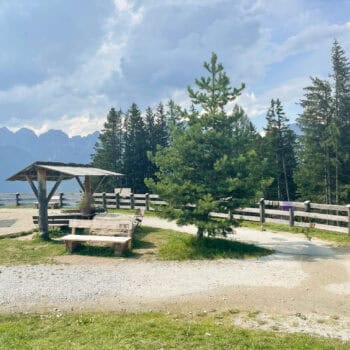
point(120, 244)
point(90, 238)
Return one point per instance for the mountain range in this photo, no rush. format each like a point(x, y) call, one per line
point(23, 147)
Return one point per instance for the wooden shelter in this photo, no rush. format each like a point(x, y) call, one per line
point(57, 172)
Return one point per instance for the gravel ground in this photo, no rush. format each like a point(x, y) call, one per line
point(20, 220)
point(148, 280)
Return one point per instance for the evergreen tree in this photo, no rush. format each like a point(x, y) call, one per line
point(174, 113)
point(151, 142)
point(109, 149)
point(315, 173)
point(200, 172)
point(135, 156)
point(341, 124)
point(161, 127)
point(325, 122)
point(279, 149)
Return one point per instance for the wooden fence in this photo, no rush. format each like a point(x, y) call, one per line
point(304, 214)
point(72, 199)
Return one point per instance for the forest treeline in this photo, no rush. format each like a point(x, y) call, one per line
point(314, 165)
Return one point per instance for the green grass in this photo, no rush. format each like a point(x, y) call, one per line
point(149, 243)
point(172, 245)
point(143, 331)
point(335, 237)
point(35, 251)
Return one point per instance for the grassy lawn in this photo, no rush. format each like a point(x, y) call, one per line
point(143, 331)
point(149, 243)
point(15, 252)
point(172, 245)
point(335, 237)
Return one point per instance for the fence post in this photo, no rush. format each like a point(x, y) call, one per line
point(307, 206)
point(17, 199)
point(262, 210)
point(117, 200)
point(147, 201)
point(104, 201)
point(348, 206)
point(291, 216)
point(61, 199)
point(132, 201)
point(307, 209)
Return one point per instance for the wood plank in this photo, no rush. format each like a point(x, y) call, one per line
point(92, 238)
point(320, 216)
point(277, 212)
point(246, 217)
point(247, 210)
point(328, 207)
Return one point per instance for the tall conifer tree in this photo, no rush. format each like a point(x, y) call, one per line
point(109, 148)
point(279, 147)
point(135, 156)
point(315, 174)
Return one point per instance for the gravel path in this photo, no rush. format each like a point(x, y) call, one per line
point(302, 278)
point(148, 280)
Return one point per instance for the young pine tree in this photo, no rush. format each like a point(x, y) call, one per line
point(200, 171)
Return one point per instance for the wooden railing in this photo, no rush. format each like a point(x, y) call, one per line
point(304, 214)
point(72, 199)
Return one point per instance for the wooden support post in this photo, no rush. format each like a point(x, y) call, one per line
point(262, 210)
point(43, 219)
point(87, 193)
point(117, 200)
point(147, 201)
point(104, 201)
point(348, 206)
point(291, 216)
point(307, 208)
point(132, 201)
point(17, 199)
point(61, 199)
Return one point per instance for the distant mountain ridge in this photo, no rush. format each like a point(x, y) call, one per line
point(23, 147)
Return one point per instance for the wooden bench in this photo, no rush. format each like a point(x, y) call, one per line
point(119, 244)
point(105, 226)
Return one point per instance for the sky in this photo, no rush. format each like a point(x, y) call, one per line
point(65, 63)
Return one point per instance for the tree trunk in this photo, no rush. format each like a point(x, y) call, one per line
point(285, 178)
point(43, 219)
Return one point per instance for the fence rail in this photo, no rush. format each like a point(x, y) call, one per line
point(304, 214)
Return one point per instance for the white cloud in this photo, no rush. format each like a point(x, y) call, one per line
point(148, 51)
